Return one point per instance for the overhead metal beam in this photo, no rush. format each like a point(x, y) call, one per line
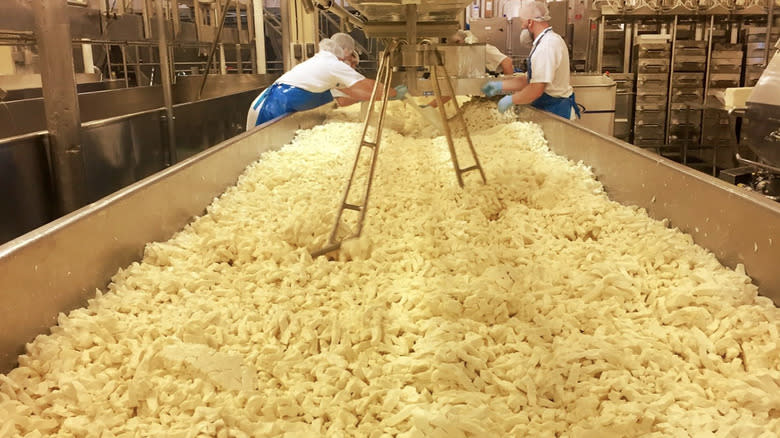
point(391, 29)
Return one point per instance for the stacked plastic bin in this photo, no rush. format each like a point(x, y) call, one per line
point(651, 63)
point(687, 92)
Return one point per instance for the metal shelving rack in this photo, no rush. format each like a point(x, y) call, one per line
point(731, 41)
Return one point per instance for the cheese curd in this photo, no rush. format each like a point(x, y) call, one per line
point(529, 306)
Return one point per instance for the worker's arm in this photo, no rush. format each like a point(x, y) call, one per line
point(361, 90)
point(345, 100)
point(516, 83)
point(529, 93)
point(506, 66)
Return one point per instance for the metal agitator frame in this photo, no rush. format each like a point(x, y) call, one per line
point(426, 55)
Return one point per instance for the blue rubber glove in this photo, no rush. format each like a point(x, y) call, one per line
point(492, 88)
point(505, 103)
point(400, 92)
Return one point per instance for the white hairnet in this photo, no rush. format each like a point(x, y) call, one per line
point(536, 11)
point(331, 46)
point(458, 37)
point(345, 41)
point(463, 36)
point(352, 59)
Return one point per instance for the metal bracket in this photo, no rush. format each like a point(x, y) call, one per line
point(758, 165)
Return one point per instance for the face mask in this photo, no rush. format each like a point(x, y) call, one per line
point(525, 38)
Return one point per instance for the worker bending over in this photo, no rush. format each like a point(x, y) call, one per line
point(495, 61)
point(309, 84)
point(546, 85)
point(342, 99)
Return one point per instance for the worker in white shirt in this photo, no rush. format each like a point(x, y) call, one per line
point(495, 61)
point(309, 84)
point(547, 83)
point(342, 99)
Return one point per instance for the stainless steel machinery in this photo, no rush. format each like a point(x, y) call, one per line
point(415, 22)
point(596, 98)
point(762, 130)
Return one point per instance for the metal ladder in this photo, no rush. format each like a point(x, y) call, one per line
point(371, 147)
point(438, 67)
point(384, 77)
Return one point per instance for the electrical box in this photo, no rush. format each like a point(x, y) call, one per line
point(297, 50)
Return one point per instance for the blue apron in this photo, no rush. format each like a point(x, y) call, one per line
point(281, 99)
point(560, 106)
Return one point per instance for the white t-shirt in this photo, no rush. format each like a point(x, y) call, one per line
point(322, 72)
point(550, 64)
point(493, 58)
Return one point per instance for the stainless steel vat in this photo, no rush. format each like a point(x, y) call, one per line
point(56, 268)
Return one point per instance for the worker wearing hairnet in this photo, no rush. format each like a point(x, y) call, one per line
point(546, 84)
point(342, 99)
point(495, 61)
point(309, 84)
